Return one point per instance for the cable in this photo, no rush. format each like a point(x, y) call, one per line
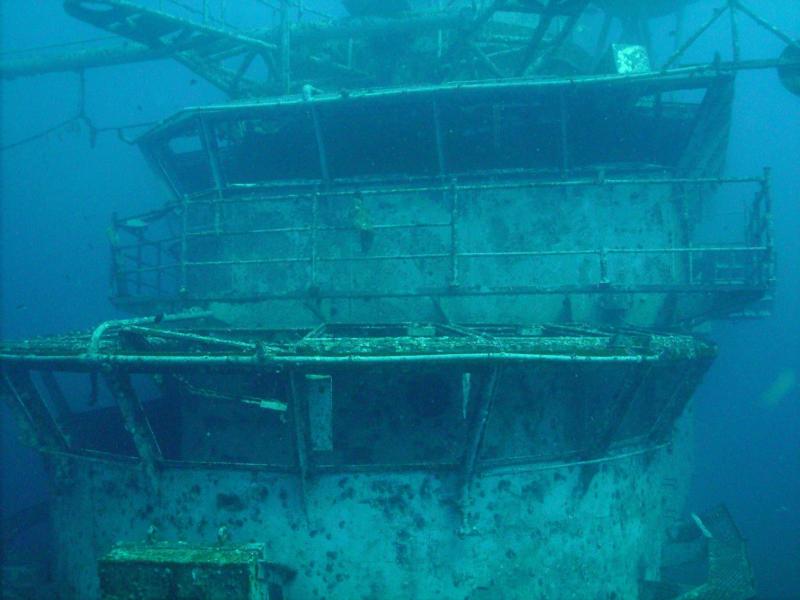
point(37, 136)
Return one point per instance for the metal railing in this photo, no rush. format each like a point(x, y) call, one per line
point(155, 256)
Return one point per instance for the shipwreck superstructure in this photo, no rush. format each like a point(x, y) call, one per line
point(416, 318)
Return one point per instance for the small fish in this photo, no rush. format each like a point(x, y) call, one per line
point(193, 82)
point(21, 307)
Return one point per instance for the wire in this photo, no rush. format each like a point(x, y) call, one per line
point(38, 136)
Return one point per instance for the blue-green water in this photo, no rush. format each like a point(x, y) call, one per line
point(58, 193)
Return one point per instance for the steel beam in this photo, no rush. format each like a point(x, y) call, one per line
point(136, 422)
point(475, 435)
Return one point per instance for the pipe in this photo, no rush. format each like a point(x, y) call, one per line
point(78, 60)
point(147, 363)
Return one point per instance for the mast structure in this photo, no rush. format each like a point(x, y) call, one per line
point(495, 39)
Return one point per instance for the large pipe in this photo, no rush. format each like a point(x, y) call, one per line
point(39, 63)
point(76, 60)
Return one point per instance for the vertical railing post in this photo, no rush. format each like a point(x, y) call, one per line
point(159, 267)
point(735, 48)
point(118, 283)
point(564, 131)
point(314, 217)
point(139, 260)
point(182, 289)
point(285, 47)
point(437, 125)
point(210, 145)
point(768, 224)
point(454, 275)
point(603, 254)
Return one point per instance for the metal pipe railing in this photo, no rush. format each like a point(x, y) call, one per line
point(756, 242)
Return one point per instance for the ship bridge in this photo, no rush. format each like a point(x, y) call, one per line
point(588, 199)
point(416, 314)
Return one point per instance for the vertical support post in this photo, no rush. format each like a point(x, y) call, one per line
point(439, 35)
point(286, 56)
point(564, 130)
point(768, 233)
point(182, 283)
point(350, 48)
point(119, 283)
point(454, 276)
point(139, 261)
point(159, 267)
point(314, 219)
point(323, 156)
point(211, 148)
point(136, 423)
point(437, 124)
point(604, 280)
point(475, 434)
point(300, 438)
point(735, 48)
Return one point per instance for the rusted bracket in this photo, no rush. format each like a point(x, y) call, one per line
point(119, 384)
point(39, 428)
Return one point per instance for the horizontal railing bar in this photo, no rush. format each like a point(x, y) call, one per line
point(552, 461)
point(146, 363)
point(754, 288)
point(136, 244)
point(484, 186)
point(308, 229)
point(513, 254)
point(147, 269)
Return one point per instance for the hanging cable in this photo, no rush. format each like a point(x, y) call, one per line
point(81, 116)
point(38, 136)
